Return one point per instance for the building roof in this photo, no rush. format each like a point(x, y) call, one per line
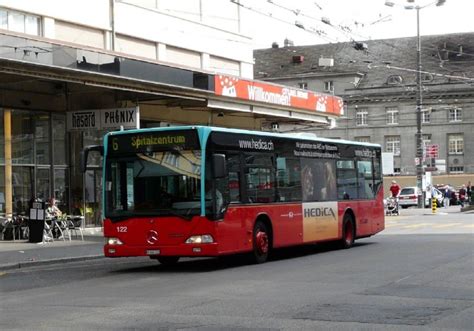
point(376, 60)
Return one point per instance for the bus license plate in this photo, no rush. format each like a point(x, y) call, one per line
point(153, 252)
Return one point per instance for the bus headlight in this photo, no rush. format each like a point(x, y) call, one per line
point(200, 239)
point(113, 241)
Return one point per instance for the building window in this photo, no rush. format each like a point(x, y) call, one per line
point(426, 77)
point(392, 145)
point(456, 144)
point(303, 85)
point(426, 140)
point(394, 80)
point(19, 22)
point(329, 86)
point(364, 139)
point(392, 115)
point(426, 116)
point(455, 115)
point(361, 117)
point(457, 169)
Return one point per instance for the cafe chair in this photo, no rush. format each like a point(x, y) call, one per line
point(74, 226)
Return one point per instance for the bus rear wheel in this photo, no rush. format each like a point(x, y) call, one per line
point(348, 232)
point(261, 242)
point(168, 260)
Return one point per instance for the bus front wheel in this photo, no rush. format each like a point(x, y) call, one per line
point(168, 260)
point(348, 232)
point(261, 242)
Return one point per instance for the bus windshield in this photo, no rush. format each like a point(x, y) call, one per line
point(153, 184)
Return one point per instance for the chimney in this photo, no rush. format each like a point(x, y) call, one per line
point(288, 42)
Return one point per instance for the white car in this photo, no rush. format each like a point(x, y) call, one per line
point(409, 197)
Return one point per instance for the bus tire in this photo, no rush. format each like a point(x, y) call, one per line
point(261, 242)
point(348, 232)
point(168, 260)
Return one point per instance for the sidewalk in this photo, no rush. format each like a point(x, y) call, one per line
point(412, 211)
point(21, 253)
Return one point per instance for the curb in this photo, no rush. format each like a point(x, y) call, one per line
point(28, 264)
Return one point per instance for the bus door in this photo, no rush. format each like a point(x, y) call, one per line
point(367, 202)
point(234, 217)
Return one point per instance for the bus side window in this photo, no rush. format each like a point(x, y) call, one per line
point(377, 176)
point(288, 179)
point(365, 180)
point(260, 178)
point(233, 168)
point(346, 180)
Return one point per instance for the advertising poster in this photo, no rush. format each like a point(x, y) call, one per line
point(320, 221)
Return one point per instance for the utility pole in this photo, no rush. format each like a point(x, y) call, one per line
point(419, 104)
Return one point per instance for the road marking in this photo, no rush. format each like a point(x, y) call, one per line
point(419, 225)
point(441, 226)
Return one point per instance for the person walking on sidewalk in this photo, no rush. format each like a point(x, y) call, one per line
point(447, 196)
point(469, 192)
point(395, 189)
point(462, 195)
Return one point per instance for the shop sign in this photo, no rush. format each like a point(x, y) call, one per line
point(278, 95)
point(104, 119)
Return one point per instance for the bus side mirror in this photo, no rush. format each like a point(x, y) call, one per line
point(219, 165)
point(85, 154)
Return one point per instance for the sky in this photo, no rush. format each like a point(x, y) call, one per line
point(331, 21)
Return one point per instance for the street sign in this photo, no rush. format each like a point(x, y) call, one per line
point(432, 151)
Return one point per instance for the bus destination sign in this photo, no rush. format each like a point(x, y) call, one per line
point(151, 141)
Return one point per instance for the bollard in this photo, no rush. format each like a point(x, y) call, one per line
point(433, 205)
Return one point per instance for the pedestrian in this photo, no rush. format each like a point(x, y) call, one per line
point(395, 189)
point(469, 192)
point(447, 196)
point(53, 211)
point(462, 195)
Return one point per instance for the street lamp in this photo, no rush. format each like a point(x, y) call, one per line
point(419, 98)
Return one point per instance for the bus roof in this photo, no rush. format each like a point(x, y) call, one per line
point(209, 129)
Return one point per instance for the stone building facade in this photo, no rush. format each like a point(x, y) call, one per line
point(377, 80)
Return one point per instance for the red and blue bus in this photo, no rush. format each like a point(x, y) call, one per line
point(197, 191)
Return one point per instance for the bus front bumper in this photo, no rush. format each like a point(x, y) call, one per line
point(188, 250)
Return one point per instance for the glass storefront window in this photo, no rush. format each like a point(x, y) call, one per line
point(93, 138)
point(42, 142)
point(43, 184)
point(32, 171)
point(22, 136)
point(22, 186)
point(59, 139)
point(61, 189)
point(2, 141)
